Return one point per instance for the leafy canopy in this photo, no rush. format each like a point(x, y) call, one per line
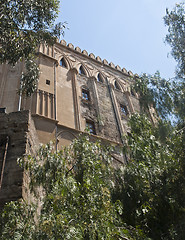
point(74, 186)
point(152, 186)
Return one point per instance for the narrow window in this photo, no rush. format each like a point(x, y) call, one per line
point(82, 71)
point(99, 78)
point(47, 82)
point(3, 110)
point(63, 63)
point(124, 110)
point(116, 85)
point(85, 94)
point(90, 125)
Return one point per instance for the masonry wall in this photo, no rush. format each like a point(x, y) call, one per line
point(58, 102)
point(17, 132)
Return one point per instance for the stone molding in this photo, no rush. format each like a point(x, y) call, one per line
point(98, 59)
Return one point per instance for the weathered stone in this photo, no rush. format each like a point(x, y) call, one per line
point(13, 145)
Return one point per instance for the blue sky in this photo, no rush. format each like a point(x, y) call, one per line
point(129, 33)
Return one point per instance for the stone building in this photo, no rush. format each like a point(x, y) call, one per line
point(75, 90)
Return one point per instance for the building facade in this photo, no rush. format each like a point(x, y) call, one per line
point(75, 90)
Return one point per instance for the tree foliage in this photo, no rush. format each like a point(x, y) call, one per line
point(175, 22)
point(76, 202)
point(152, 187)
point(155, 91)
point(24, 24)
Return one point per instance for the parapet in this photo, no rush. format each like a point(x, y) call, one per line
point(98, 59)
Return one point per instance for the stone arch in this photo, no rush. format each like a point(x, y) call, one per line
point(64, 62)
point(83, 70)
point(100, 77)
point(84, 87)
point(117, 85)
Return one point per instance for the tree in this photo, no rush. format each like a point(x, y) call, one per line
point(152, 186)
point(175, 22)
point(24, 24)
point(76, 185)
point(155, 91)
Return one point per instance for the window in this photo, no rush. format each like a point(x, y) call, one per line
point(124, 110)
point(116, 85)
point(47, 82)
point(63, 63)
point(85, 94)
point(81, 70)
point(91, 127)
point(99, 78)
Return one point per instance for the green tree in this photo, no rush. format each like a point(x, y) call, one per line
point(175, 22)
point(155, 91)
point(76, 184)
point(24, 24)
point(152, 186)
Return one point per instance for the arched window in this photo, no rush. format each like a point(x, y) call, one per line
point(116, 85)
point(81, 70)
point(99, 78)
point(124, 110)
point(63, 63)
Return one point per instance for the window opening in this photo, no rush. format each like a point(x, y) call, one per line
point(63, 63)
point(99, 78)
point(85, 94)
point(90, 125)
point(116, 85)
point(124, 110)
point(47, 82)
point(82, 71)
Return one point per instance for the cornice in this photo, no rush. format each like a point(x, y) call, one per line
point(97, 60)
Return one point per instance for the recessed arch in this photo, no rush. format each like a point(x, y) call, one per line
point(82, 70)
point(117, 85)
point(63, 63)
point(100, 78)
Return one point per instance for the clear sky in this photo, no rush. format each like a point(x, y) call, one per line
point(129, 33)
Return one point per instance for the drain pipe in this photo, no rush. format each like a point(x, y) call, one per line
point(20, 96)
point(55, 106)
point(116, 118)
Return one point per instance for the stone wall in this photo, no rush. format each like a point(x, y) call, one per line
point(17, 137)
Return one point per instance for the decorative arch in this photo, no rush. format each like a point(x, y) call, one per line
point(82, 70)
point(100, 78)
point(64, 62)
point(117, 85)
point(84, 87)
